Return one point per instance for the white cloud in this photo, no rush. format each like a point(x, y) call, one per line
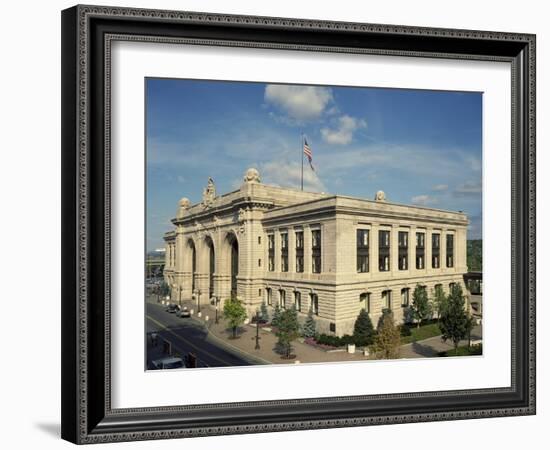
point(423, 200)
point(440, 187)
point(343, 133)
point(287, 174)
point(301, 103)
point(474, 163)
point(468, 188)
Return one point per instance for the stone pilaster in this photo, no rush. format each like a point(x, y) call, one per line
point(394, 250)
point(307, 249)
point(373, 244)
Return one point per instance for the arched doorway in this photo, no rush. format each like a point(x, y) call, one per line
point(234, 266)
point(211, 266)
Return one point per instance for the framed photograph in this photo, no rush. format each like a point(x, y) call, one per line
point(280, 224)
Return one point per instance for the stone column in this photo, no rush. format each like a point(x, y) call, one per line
point(443, 249)
point(307, 249)
point(277, 250)
point(291, 250)
point(412, 250)
point(203, 270)
point(394, 250)
point(428, 249)
point(373, 244)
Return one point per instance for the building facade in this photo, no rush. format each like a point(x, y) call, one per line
point(331, 254)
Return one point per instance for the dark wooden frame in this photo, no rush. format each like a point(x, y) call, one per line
point(87, 32)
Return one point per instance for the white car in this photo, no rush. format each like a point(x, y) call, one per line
point(184, 312)
point(172, 362)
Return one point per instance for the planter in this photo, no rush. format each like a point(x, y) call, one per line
point(351, 348)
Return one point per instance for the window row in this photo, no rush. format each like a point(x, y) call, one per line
point(283, 303)
point(384, 246)
point(299, 251)
point(387, 298)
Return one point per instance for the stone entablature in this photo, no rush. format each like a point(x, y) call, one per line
point(220, 247)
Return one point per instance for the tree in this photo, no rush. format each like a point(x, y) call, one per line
point(164, 288)
point(235, 314)
point(309, 329)
point(387, 341)
point(420, 304)
point(363, 330)
point(455, 322)
point(276, 316)
point(288, 329)
point(264, 313)
point(439, 301)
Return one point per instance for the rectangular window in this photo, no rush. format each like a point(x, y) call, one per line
point(364, 300)
point(435, 250)
point(316, 251)
point(284, 252)
point(420, 246)
point(297, 301)
point(269, 296)
point(259, 263)
point(271, 252)
point(282, 299)
point(314, 304)
point(259, 239)
point(299, 251)
point(362, 251)
point(403, 252)
point(405, 296)
point(450, 250)
point(383, 251)
point(386, 300)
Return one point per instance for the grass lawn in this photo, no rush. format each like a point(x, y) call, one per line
point(464, 351)
point(424, 332)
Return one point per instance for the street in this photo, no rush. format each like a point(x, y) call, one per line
point(188, 335)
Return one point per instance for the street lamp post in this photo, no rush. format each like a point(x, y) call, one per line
point(181, 289)
point(257, 347)
point(199, 301)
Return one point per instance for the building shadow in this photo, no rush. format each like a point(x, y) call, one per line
point(423, 350)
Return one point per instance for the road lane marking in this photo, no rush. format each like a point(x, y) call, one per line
point(217, 358)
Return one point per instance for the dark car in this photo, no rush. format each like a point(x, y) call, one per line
point(172, 308)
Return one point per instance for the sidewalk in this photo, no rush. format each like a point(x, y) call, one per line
point(244, 345)
point(432, 346)
point(246, 341)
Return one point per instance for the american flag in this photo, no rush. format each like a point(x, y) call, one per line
point(308, 153)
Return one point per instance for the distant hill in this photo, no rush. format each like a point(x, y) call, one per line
point(474, 252)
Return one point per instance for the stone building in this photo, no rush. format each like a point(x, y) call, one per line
point(332, 254)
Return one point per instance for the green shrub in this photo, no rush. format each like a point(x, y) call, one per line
point(335, 341)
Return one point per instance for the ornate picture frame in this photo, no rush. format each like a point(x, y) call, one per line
point(87, 35)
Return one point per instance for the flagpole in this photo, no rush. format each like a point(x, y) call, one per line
point(302, 153)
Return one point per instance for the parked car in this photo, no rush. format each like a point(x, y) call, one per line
point(172, 308)
point(184, 312)
point(172, 362)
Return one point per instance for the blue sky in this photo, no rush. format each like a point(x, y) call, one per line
point(419, 147)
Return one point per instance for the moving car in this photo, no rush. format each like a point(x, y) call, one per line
point(184, 312)
point(172, 308)
point(172, 362)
